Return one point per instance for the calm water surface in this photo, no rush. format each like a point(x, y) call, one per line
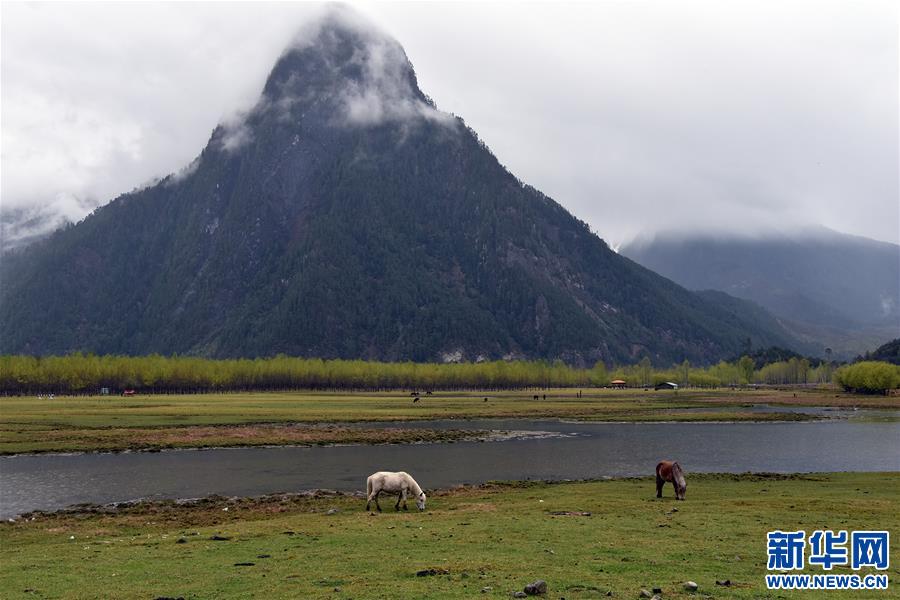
point(573, 451)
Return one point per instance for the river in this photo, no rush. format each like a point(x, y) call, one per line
point(567, 450)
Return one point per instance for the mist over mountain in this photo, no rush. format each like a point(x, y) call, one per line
point(839, 290)
point(23, 225)
point(346, 216)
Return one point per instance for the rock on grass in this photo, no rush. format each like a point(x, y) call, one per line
point(429, 572)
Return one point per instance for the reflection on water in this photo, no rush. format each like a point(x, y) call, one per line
point(49, 482)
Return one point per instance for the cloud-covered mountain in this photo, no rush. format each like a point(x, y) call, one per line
point(840, 290)
point(346, 216)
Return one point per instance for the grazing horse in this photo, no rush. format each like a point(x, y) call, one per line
point(400, 483)
point(669, 470)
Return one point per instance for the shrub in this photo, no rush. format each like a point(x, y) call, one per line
point(868, 377)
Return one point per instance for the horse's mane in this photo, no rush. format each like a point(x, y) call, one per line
point(677, 474)
point(414, 485)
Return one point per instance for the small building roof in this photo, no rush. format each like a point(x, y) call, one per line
point(617, 381)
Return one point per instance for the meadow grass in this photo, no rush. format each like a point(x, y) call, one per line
point(495, 538)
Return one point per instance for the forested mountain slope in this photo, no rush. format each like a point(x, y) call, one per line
point(345, 216)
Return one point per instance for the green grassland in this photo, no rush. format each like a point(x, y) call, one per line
point(495, 538)
point(86, 423)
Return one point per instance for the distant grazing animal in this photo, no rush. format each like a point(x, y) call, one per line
point(669, 470)
point(400, 483)
point(545, 396)
point(428, 392)
point(416, 399)
point(485, 399)
point(414, 393)
point(535, 396)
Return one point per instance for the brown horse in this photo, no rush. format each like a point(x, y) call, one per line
point(669, 470)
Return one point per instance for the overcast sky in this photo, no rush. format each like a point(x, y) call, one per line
point(636, 116)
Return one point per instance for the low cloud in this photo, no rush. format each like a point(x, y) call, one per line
point(185, 172)
point(386, 90)
point(25, 224)
point(695, 116)
point(235, 134)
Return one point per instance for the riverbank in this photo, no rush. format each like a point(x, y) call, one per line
point(155, 439)
point(496, 538)
point(94, 423)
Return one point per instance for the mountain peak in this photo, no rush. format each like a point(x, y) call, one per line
point(339, 72)
point(346, 65)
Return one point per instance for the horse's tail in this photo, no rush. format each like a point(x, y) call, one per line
point(368, 486)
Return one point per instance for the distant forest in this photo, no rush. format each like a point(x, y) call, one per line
point(88, 374)
point(889, 352)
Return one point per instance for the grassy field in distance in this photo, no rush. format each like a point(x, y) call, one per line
point(86, 423)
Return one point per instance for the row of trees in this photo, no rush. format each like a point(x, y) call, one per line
point(87, 373)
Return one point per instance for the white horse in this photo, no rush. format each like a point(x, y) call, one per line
point(400, 483)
